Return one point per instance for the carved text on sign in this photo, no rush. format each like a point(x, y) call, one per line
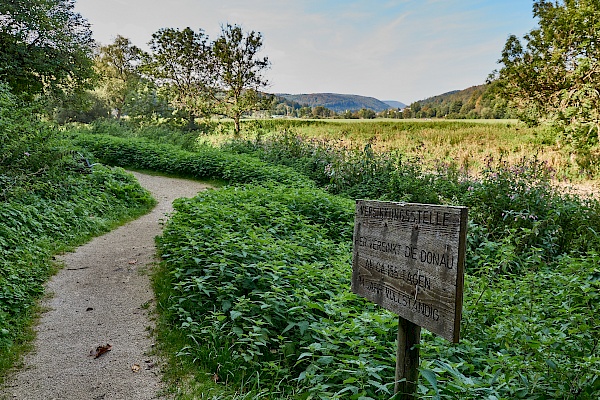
point(409, 259)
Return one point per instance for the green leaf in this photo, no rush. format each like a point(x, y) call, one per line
point(235, 314)
point(287, 328)
point(304, 355)
point(238, 331)
point(303, 325)
point(551, 364)
point(431, 377)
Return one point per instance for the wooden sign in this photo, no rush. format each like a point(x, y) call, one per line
point(409, 259)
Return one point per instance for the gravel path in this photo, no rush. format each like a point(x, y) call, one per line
point(101, 297)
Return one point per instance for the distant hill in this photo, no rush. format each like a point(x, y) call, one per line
point(338, 102)
point(462, 95)
point(395, 104)
point(480, 101)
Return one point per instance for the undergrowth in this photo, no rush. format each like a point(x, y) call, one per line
point(261, 288)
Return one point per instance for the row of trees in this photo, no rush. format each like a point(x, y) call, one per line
point(285, 108)
point(282, 107)
point(47, 51)
point(476, 102)
point(186, 74)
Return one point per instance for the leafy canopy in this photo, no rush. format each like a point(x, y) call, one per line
point(223, 77)
point(555, 74)
point(179, 63)
point(117, 64)
point(44, 46)
point(239, 69)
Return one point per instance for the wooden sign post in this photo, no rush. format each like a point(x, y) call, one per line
point(409, 259)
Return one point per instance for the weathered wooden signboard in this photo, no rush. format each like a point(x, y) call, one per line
point(409, 259)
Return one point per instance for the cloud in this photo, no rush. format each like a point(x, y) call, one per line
point(392, 49)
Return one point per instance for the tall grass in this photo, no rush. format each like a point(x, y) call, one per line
point(465, 143)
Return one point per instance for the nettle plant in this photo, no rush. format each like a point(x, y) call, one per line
point(517, 211)
point(260, 285)
point(257, 279)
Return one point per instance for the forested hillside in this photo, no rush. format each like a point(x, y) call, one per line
point(480, 101)
point(338, 102)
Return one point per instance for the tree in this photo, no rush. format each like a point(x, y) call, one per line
point(365, 113)
point(44, 46)
point(117, 65)
point(147, 104)
point(26, 148)
point(455, 106)
point(238, 73)
point(87, 108)
point(555, 77)
point(180, 63)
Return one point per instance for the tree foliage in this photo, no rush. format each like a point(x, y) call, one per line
point(239, 69)
point(117, 64)
point(179, 63)
point(482, 101)
point(223, 77)
point(27, 146)
point(555, 74)
point(44, 46)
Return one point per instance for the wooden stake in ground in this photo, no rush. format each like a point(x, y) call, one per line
point(407, 359)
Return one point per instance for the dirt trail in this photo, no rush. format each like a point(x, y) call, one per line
point(100, 298)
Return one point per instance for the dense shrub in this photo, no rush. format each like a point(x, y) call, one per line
point(516, 214)
point(520, 218)
point(158, 133)
point(25, 145)
point(259, 281)
point(205, 163)
point(260, 277)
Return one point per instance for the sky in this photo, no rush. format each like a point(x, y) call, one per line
point(403, 50)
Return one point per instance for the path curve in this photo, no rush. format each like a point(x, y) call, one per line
point(100, 298)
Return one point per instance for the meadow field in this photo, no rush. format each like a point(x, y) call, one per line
point(467, 144)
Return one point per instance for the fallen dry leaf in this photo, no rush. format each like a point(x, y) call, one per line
point(100, 350)
point(215, 378)
point(136, 367)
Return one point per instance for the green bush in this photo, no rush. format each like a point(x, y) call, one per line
point(205, 163)
point(25, 145)
point(520, 219)
point(260, 277)
point(259, 282)
point(515, 212)
point(158, 133)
